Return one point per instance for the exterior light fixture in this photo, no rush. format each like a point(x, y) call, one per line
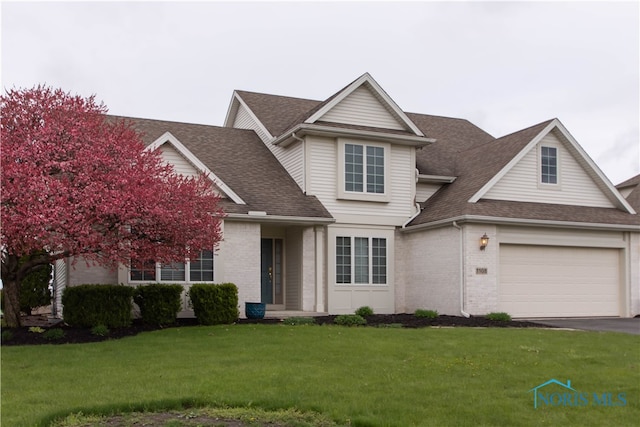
point(484, 241)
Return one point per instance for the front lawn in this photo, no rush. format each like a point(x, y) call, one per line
point(357, 376)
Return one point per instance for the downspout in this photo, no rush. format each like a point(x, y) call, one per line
point(462, 281)
point(418, 210)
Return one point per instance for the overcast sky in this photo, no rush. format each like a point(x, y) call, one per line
point(502, 65)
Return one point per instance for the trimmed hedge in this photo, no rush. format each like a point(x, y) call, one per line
point(92, 305)
point(215, 304)
point(159, 304)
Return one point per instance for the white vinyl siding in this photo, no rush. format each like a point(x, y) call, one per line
point(292, 159)
point(361, 107)
point(245, 121)
point(181, 165)
point(323, 183)
point(522, 182)
point(425, 191)
point(293, 266)
point(557, 281)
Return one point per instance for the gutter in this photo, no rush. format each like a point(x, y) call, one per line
point(278, 219)
point(462, 281)
point(522, 221)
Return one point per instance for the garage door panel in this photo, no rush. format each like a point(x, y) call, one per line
point(548, 281)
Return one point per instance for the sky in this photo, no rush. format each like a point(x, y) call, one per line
point(504, 66)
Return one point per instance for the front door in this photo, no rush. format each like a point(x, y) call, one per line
point(272, 263)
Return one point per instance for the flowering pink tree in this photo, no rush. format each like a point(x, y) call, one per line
point(76, 183)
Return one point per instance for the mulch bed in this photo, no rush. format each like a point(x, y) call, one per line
point(73, 335)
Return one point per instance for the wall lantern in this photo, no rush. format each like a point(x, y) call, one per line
point(484, 241)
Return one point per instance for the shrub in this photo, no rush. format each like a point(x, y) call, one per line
point(53, 334)
point(7, 336)
point(36, 329)
point(364, 311)
point(500, 316)
point(215, 304)
point(34, 287)
point(350, 320)
point(427, 314)
point(100, 331)
point(92, 305)
point(159, 304)
point(293, 321)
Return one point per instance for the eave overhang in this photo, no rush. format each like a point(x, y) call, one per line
point(436, 179)
point(304, 129)
point(278, 219)
point(480, 219)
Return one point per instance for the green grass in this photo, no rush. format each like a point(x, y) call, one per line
point(356, 376)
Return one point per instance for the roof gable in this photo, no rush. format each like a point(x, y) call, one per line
point(363, 103)
point(243, 162)
point(603, 187)
point(274, 113)
point(168, 138)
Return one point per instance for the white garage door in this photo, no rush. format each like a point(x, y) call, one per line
point(555, 281)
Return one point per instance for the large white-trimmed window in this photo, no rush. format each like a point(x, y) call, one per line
point(548, 165)
point(199, 270)
point(361, 260)
point(363, 170)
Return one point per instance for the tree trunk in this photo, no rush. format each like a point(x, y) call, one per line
point(12, 303)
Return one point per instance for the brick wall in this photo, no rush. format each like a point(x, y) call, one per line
point(428, 270)
point(238, 260)
point(481, 269)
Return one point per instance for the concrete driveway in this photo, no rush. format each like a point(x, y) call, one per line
point(617, 324)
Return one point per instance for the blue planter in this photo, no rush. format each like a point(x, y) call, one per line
point(255, 310)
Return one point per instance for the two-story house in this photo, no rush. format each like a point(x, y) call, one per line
point(351, 201)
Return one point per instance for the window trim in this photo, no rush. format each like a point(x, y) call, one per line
point(549, 185)
point(365, 196)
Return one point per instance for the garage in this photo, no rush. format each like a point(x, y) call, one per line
point(559, 281)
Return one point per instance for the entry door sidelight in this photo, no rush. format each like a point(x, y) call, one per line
point(272, 291)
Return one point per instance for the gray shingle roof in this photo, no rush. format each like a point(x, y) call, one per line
point(462, 150)
point(241, 160)
point(479, 164)
point(633, 198)
point(277, 113)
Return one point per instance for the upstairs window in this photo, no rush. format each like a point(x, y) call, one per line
point(549, 165)
point(363, 168)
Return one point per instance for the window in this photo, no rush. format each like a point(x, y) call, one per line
point(173, 272)
point(199, 270)
point(549, 165)
point(368, 259)
point(143, 271)
point(364, 168)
